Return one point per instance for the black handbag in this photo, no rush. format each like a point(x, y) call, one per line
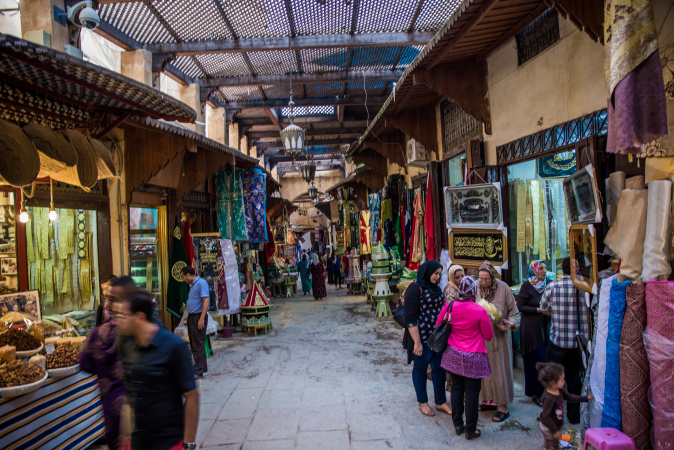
point(581, 341)
point(399, 313)
point(437, 341)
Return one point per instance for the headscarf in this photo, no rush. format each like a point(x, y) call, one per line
point(451, 272)
point(314, 259)
point(452, 290)
point(424, 277)
point(537, 283)
point(467, 289)
point(488, 293)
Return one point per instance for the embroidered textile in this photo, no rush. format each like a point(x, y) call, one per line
point(428, 221)
point(255, 195)
point(365, 233)
point(177, 289)
point(374, 204)
point(229, 194)
point(417, 246)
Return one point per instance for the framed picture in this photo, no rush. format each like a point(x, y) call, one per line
point(582, 197)
point(469, 247)
point(27, 302)
point(8, 266)
point(583, 243)
point(474, 206)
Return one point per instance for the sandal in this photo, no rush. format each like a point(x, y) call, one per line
point(482, 407)
point(537, 400)
point(500, 416)
point(471, 436)
point(459, 430)
point(428, 413)
point(446, 411)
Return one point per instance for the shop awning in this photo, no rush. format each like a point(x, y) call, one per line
point(42, 84)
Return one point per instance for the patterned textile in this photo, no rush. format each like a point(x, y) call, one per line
point(188, 243)
point(659, 342)
point(634, 371)
point(220, 284)
point(560, 296)
point(255, 196)
point(177, 288)
point(385, 221)
point(365, 233)
point(317, 280)
point(374, 204)
point(428, 221)
point(416, 244)
point(229, 195)
point(231, 278)
point(611, 415)
point(467, 364)
point(637, 111)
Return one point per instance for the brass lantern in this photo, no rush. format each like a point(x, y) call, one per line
point(292, 136)
point(313, 192)
point(308, 171)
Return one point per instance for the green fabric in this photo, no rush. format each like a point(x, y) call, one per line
point(177, 289)
point(229, 195)
point(304, 275)
point(209, 349)
point(386, 210)
point(399, 236)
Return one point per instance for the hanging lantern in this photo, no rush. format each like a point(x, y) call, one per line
point(292, 136)
point(313, 192)
point(308, 171)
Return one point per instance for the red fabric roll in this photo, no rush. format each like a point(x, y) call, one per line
point(635, 371)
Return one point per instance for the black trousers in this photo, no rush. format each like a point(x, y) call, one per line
point(471, 388)
point(338, 278)
point(570, 359)
point(197, 342)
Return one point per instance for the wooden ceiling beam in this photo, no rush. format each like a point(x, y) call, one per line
point(311, 101)
point(512, 31)
point(282, 79)
point(354, 120)
point(374, 161)
point(389, 145)
point(273, 117)
point(419, 123)
point(310, 143)
point(310, 132)
point(393, 39)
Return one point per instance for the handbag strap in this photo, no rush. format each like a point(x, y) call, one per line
point(448, 314)
point(578, 327)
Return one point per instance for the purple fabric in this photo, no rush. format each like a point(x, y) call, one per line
point(466, 364)
point(637, 109)
point(467, 289)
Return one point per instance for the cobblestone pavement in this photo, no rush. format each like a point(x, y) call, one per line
point(329, 376)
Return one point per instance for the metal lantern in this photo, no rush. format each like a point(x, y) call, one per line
point(292, 136)
point(308, 172)
point(313, 192)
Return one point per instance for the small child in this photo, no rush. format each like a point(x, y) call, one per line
point(551, 375)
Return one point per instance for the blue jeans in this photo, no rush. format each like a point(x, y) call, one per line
point(437, 375)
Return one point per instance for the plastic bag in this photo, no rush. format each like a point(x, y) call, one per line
point(181, 329)
point(660, 352)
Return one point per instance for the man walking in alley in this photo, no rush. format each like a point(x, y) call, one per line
point(197, 318)
point(560, 301)
point(158, 375)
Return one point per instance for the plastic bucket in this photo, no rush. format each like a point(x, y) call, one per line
point(227, 332)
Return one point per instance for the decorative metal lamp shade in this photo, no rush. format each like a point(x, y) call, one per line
point(313, 192)
point(308, 172)
point(292, 138)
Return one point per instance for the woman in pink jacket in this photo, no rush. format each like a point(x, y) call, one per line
point(465, 357)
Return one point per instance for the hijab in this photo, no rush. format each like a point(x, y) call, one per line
point(467, 289)
point(451, 272)
point(314, 259)
point(537, 283)
point(424, 277)
point(488, 293)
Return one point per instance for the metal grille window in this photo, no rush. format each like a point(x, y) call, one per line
point(458, 127)
point(537, 36)
point(196, 198)
point(310, 110)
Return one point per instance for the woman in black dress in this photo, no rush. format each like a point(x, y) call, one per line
point(533, 337)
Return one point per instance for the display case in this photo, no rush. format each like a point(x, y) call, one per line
point(143, 261)
point(9, 275)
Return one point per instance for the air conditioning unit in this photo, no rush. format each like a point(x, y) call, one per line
point(417, 155)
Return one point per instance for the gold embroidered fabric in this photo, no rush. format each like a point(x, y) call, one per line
point(542, 224)
point(530, 218)
point(41, 218)
point(48, 276)
point(30, 246)
point(75, 270)
point(65, 287)
point(630, 37)
point(521, 215)
point(536, 202)
point(66, 233)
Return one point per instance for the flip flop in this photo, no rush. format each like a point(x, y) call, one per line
point(471, 436)
point(500, 416)
point(428, 413)
point(449, 413)
point(483, 407)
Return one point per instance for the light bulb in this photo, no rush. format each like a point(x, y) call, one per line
point(23, 216)
point(52, 212)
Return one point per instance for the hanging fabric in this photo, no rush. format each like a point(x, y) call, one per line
point(229, 194)
point(220, 283)
point(255, 196)
point(374, 203)
point(417, 249)
point(188, 243)
point(428, 221)
point(231, 278)
point(365, 233)
point(177, 288)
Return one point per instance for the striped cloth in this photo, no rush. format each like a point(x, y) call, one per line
point(65, 413)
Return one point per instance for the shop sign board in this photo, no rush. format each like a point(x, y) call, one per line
point(472, 247)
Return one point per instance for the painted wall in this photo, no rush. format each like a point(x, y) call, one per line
point(293, 186)
point(562, 83)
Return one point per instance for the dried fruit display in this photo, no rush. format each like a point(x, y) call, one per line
point(63, 357)
point(20, 339)
point(18, 373)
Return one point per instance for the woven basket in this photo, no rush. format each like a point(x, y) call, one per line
point(19, 159)
point(56, 154)
point(85, 173)
point(106, 167)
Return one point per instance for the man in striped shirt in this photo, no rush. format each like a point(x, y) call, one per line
point(560, 301)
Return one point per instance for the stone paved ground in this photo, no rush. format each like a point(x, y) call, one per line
point(329, 376)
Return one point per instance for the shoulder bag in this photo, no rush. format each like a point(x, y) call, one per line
point(399, 313)
point(437, 341)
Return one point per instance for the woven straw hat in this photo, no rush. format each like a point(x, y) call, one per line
point(55, 152)
point(85, 173)
point(19, 159)
point(106, 167)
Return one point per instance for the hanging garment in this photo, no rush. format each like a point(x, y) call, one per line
point(428, 221)
point(612, 416)
point(402, 248)
point(229, 194)
point(409, 212)
point(188, 243)
point(634, 370)
point(231, 278)
point(365, 233)
point(598, 372)
point(177, 289)
point(220, 284)
point(270, 246)
point(375, 204)
point(255, 196)
point(659, 344)
point(417, 249)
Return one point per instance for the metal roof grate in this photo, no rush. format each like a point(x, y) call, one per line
point(373, 58)
point(224, 64)
point(356, 88)
point(330, 17)
point(194, 20)
point(281, 91)
point(241, 93)
point(434, 14)
point(254, 18)
point(376, 16)
point(324, 89)
point(136, 21)
point(187, 66)
point(309, 110)
point(273, 62)
point(323, 59)
point(407, 56)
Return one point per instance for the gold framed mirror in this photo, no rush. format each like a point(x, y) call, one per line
point(583, 245)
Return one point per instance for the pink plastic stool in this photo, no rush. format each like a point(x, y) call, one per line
point(607, 439)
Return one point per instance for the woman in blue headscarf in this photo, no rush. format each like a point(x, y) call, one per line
point(304, 274)
point(533, 327)
point(423, 300)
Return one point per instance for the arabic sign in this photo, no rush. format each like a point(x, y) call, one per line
point(475, 246)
